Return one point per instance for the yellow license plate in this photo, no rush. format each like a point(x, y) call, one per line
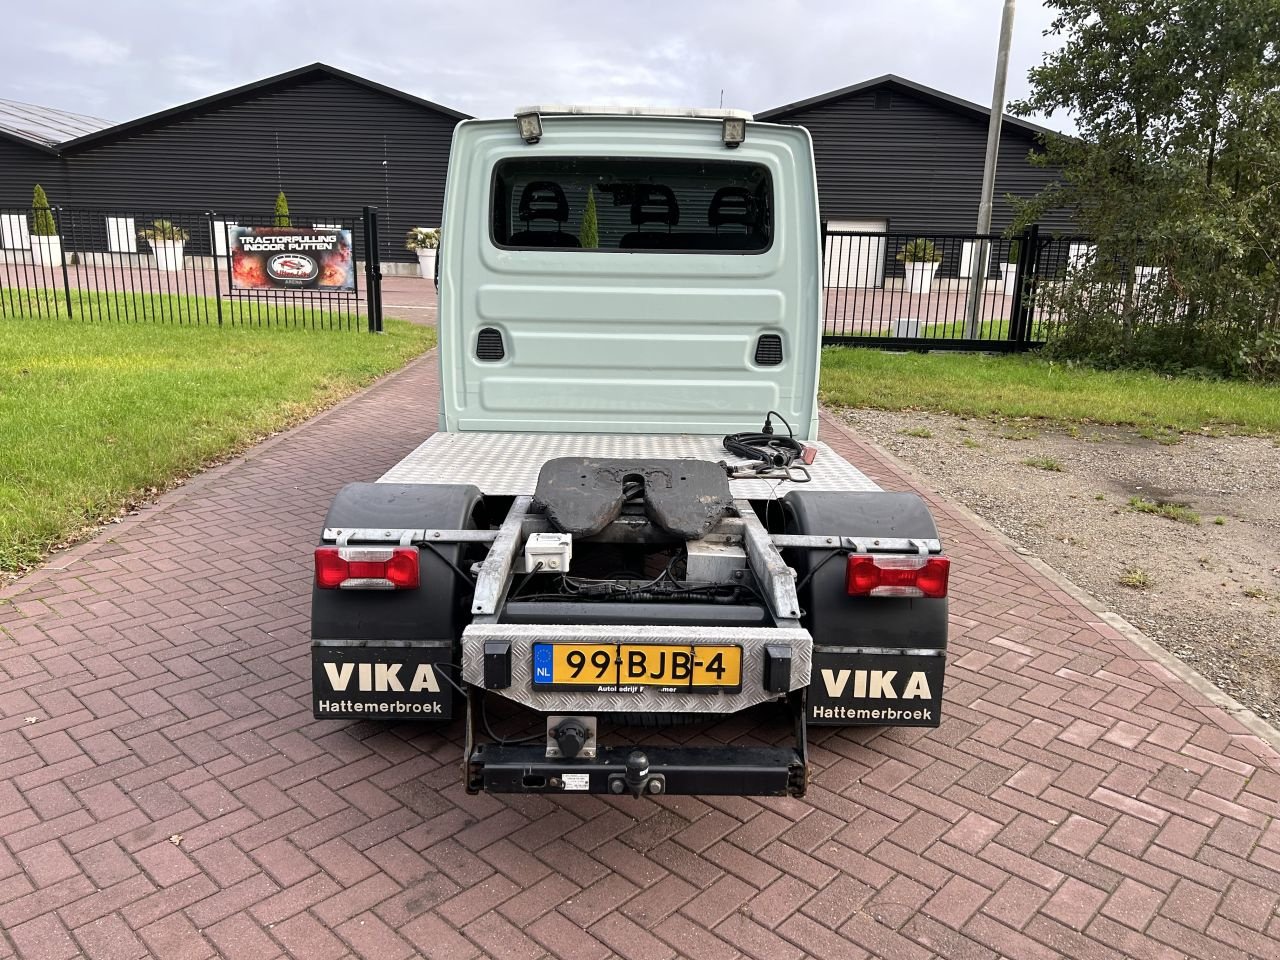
point(619, 666)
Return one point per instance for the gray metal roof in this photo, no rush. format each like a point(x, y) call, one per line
point(945, 100)
point(106, 131)
point(45, 126)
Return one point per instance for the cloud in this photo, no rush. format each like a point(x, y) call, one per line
point(89, 49)
point(487, 58)
point(186, 63)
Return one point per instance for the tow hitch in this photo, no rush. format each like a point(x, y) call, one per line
point(548, 767)
point(637, 780)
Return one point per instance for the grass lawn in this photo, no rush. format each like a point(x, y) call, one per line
point(176, 308)
point(931, 329)
point(94, 417)
point(977, 385)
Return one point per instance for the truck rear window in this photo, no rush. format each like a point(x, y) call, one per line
point(641, 205)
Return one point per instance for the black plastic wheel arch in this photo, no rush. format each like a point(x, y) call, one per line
point(437, 609)
point(831, 615)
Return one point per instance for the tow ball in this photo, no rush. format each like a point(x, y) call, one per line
point(637, 780)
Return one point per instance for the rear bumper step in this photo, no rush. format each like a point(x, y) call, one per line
point(723, 771)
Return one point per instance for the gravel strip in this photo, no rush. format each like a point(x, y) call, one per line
point(1209, 592)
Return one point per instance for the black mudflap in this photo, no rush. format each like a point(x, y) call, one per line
point(408, 681)
point(851, 686)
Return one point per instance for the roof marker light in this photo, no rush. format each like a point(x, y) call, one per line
point(733, 131)
point(530, 127)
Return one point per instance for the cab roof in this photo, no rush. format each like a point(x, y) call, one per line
point(701, 113)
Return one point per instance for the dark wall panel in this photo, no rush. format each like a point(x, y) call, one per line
point(332, 146)
point(21, 168)
point(916, 164)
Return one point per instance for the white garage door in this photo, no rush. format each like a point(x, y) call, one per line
point(855, 261)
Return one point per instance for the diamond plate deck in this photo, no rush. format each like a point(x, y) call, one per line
point(522, 637)
point(508, 463)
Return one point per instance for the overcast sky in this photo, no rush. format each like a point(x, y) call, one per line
point(126, 58)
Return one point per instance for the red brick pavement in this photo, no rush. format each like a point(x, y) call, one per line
point(1078, 800)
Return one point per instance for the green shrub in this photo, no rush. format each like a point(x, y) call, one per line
point(164, 231)
point(42, 222)
point(589, 234)
point(919, 250)
point(1135, 578)
point(281, 218)
point(1260, 360)
point(1183, 320)
point(422, 238)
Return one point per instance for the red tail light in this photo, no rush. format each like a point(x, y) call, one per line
point(882, 576)
point(367, 568)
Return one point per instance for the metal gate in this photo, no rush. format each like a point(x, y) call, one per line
point(172, 266)
point(913, 290)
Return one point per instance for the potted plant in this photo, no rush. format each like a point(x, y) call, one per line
point(167, 240)
point(423, 241)
point(46, 245)
point(919, 259)
point(281, 215)
point(1009, 273)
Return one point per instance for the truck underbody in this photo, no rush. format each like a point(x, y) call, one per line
point(673, 598)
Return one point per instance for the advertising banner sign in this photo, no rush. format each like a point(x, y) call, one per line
point(291, 258)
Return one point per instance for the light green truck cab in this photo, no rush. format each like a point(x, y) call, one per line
point(626, 519)
point(697, 311)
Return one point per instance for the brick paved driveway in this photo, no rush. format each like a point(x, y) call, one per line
point(1078, 800)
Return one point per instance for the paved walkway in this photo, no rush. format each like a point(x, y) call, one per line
point(164, 790)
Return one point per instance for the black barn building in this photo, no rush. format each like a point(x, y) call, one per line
point(891, 155)
point(332, 141)
point(29, 140)
point(896, 155)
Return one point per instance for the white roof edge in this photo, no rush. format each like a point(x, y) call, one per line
point(563, 109)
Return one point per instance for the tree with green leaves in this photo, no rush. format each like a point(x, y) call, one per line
point(42, 222)
point(282, 210)
point(1175, 165)
point(589, 232)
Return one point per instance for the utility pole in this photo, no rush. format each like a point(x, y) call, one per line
point(978, 279)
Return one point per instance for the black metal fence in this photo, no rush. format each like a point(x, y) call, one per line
point(1125, 281)
point(173, 266)
point(916, 290)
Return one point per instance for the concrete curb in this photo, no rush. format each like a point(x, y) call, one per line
point(1179, 668)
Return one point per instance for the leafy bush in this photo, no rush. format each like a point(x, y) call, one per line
point(42, 222)
point(422, 238)
point(281, 216)
point(1173, 165)
point(163, 231)
point(919, 250)
point(1260, 360)
point(1197, 313)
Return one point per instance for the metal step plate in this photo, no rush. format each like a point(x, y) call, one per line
point(521, 639)
point(508, 463)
